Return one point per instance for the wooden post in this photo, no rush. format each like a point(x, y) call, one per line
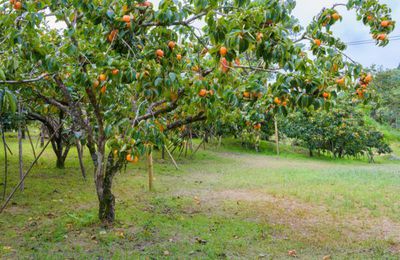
point(30, 141)
point(21, 164)
point(219, 141)
point(198, 147)
point(42, 135)
point(27, 171)
point(172, 158)
point(191, 138)
point(150, 169)
point(276, 135)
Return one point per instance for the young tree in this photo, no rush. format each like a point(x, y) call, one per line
point(125, 73)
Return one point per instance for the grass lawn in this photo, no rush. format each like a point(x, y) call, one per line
point(224, 203)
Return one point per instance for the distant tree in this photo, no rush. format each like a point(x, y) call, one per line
point(386, 108)
point(341, 131)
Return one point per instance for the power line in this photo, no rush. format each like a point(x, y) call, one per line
point(353, 43)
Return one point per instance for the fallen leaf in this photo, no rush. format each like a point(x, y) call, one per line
point(121, 234)
point(327, 257)
point(292, 253)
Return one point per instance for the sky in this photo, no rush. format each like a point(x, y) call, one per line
point(349, 30)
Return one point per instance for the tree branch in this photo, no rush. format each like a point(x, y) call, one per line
point(23, 81)
point(184, 22)
point(190, 119)
point(172, 105)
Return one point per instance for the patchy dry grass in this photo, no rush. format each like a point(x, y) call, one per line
point(221, 204)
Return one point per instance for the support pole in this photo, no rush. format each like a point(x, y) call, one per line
point(27, 172)
point(172, 158)
point(31, 142)
point(276, 135)
point(150, 169)
point(20, 161)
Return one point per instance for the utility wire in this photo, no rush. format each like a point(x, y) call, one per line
point(354, 43)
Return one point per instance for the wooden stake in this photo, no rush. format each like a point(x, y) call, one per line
point(31, 142)
point(172, 158)
point(27, 172)
point(150, 169)
point(276, 136)
point(198, 147)
point(20, 162)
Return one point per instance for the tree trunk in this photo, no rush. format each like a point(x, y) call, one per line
point(104, 187)
point(80, 157)
point(60, 164)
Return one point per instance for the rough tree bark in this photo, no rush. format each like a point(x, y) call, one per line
point(104, 187)
point(59, 142)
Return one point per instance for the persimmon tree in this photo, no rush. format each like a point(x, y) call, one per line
point(125, 73)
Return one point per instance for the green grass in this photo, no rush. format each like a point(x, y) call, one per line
point(224, 203)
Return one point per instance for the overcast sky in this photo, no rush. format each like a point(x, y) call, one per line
point(350, 30)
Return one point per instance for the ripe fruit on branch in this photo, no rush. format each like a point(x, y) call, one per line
point(317, 42)
point(203, 92)
point(17, 5)
point(159, 53)
point(237, 61)
point(96, 83)
point(277, 101)
point(284, 103)
point(113, 34)
point(126, 18)
point(370, 17)
point(246, 94)
point(325, 95)
point(340, 81)
point(385, 23)
point(171, 45)
point(257, 126)
point(368, 78)
point(259, 36)
point(196, 68)
point(224, 65)
point(115, 72)
point(103, 89)
point(336, 16)
point(179, 57)
point(211, 92)
point(102, 77)
point(381, 36)
point(132, 159)
point(223, 51)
